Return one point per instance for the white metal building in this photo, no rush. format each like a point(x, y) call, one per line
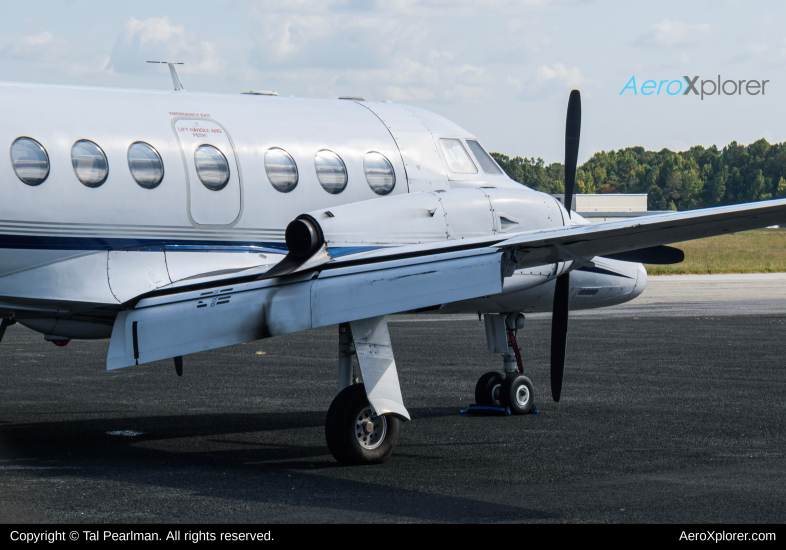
point(599, 207)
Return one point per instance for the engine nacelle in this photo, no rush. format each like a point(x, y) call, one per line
point(424, 217)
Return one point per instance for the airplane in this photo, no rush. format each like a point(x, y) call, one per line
point(173, 222)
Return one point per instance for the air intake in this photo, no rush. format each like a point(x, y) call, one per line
point(304, 237)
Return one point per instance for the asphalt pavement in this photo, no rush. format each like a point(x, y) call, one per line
point(672, 411)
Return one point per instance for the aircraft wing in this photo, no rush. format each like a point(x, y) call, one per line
point(209, 317)
point(580, 242)
point(598, 239)
point(324, 291)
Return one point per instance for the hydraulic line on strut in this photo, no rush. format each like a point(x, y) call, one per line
point(515, 346)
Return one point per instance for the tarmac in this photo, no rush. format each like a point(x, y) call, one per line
point(672, 411)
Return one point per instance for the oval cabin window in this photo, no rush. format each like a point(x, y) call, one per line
point(331, 171)
point(281, 170)
point(89, 162)
point(379, 173)
point(30, 161)
point(145, 165)
point(211, 167)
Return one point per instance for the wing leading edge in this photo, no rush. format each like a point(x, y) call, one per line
point(583, 242)
point(598, 239)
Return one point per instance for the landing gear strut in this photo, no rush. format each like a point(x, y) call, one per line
point(362, 424)
point(512, 390)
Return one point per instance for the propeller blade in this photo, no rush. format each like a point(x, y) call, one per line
point(559, 333)
point(655, 255)
point(559, 318)
point(572, 134)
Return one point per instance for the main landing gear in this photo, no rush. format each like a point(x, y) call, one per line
point(511, 390)
point(362, 423)
point(354, 433)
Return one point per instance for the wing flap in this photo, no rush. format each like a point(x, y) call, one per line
point(188, 322)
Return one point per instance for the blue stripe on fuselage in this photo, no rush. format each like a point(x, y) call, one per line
point(35, 242)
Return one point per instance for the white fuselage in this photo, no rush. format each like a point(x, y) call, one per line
point(70, 253)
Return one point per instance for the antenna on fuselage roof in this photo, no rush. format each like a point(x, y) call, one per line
point(172, 71)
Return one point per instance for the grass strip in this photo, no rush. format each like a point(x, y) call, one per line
point(760, 251)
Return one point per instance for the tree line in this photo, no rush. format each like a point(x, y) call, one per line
point(697, 178)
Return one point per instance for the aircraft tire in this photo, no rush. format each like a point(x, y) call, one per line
point(484, 389)
point(350, 437)
point(517, 394)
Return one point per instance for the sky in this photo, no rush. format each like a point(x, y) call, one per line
point(502, 69)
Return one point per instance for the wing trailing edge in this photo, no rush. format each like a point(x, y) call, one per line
point(187, 322)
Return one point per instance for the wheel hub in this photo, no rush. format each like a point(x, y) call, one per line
point(370, 430)
point(495, 394)
point(522, 395)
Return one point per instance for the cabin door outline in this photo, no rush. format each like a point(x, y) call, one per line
point(206, 208)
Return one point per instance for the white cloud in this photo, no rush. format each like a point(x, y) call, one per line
point(34, 46)
point(325, 39)
point(560, 73)
point(403, 80)
point(50, 54)
point(760, 50)
point(548, 80)
point(157, 39)
point(325, 49)
point(470, 8)
point(673, 33)
point(418, 8)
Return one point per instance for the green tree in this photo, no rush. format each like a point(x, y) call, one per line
point(698, 178)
